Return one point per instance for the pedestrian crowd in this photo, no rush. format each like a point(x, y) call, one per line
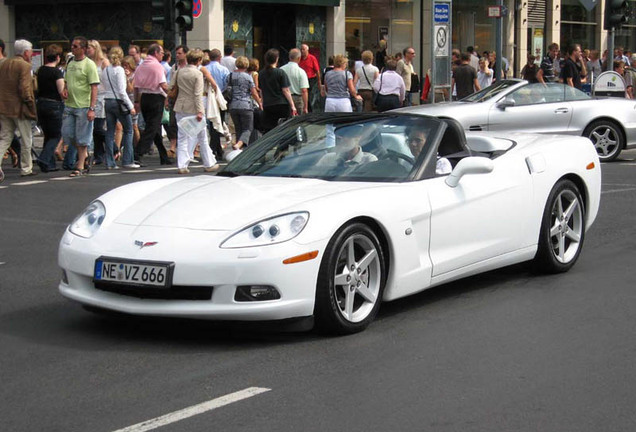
point(98, 106)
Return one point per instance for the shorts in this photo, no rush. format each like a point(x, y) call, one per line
point(76, 129)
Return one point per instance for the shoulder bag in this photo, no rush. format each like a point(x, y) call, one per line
point(376, 96)
point(229, 90)
point(123, 108)
point(173, 93)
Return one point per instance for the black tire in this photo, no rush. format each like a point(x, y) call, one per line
point(607, 138)
point(349, 289)
point(562, 229)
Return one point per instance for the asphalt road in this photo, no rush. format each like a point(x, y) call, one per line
point(503, 351)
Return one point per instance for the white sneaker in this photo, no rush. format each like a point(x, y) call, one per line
point(132, 165)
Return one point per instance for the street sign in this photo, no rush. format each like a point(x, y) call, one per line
point(494, 11)
point(197, 8)
point(441, 40)
point(441, 13)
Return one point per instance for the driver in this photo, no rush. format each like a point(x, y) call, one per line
point(416, 140)
point(348, 151)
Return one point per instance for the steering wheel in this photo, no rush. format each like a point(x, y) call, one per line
point(396, 156)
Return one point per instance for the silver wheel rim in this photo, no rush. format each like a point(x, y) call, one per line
point(606, 140)
point(566, 226)
point(357, 278)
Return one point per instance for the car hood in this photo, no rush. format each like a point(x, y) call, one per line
point(222, 203)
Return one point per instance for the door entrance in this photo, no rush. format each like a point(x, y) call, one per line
point(274, 27)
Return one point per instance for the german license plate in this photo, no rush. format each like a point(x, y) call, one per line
point(158, 274)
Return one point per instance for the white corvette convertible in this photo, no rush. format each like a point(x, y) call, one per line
point(329, 215)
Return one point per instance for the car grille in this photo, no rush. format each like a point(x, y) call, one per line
point(176, 292)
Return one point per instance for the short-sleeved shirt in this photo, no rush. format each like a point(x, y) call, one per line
point(242, 84)
point(337, 84)
point(297, 78)
point(80, 75)
point(465, 76)
point(571, 70)
point(310, 66)
point(366, 75)
point(47, 82)
point(547, 65)
point(272, 82)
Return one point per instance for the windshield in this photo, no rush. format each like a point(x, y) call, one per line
point(490, 91)
point(383, 148)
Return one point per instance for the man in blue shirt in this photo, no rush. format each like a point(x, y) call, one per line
point(220, 74)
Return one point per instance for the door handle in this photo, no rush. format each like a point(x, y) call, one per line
point(561, 111)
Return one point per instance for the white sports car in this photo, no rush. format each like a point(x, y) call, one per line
point(554, 108)
point(329, 215)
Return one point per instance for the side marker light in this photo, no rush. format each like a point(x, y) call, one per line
point(300, 258)
point(590, 166)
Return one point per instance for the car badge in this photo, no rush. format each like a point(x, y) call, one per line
point(144, 244)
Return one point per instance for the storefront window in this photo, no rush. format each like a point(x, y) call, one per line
point(578, 25)
point(472, 27)
point(369, 21)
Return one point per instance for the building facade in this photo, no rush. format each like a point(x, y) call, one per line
point(327, 26)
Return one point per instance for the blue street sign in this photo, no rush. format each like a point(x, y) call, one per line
point(441, 13)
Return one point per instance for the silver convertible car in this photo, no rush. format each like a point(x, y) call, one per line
point(518, 106)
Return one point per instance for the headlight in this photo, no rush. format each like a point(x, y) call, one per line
point(268, 231)
point(89, 221)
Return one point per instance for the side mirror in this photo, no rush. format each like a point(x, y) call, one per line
point(505, 103)
point(469, 165)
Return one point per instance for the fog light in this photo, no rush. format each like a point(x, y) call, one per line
point(64, 277)
point(247, 293)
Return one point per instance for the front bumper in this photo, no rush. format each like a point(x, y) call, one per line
point(199, 262)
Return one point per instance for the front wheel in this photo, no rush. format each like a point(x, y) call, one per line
point(607, 139)
point(351, 281)
point(562, 229)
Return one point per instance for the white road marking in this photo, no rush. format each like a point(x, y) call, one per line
point(138, 171)
point(4, 187)
point(104, 174)
point(62, 178)
point(194, 410)
point(28, 183)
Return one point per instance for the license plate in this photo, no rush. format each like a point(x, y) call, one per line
point(157, 274)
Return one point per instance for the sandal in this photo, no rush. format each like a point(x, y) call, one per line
point(14, 158)
point(76, 173)
point(87, 164)
point(171, 153)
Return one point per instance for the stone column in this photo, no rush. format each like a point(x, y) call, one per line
point(7, 27)
point(208, 29)
point(553, 22)
point(521, 31)
point(336, 29)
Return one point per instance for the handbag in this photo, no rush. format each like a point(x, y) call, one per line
point(376, 95)
point(228, 92)
point(123, 108)
point(415, 83)
point(173, 92)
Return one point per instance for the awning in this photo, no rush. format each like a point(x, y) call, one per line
point(300, 2)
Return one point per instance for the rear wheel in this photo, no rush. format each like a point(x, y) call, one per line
point(607, 139)
point(562, 229)
point(351, 281)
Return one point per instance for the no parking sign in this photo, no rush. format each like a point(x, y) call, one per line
point(197, 8)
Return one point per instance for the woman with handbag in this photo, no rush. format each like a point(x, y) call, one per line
point(389, 87)
point(363, 80)
point(338, 87)
point(189, 107)
point(118, 107)
point(241, 111)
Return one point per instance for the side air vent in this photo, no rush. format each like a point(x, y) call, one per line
point(474, 128)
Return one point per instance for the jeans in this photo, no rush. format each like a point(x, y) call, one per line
point(77, 131)
point(243, 123)
point(113, 114)
point(50, 117)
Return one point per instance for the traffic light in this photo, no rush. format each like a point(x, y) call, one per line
point(162, 13)
point(184, 9)
point(615, 14)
